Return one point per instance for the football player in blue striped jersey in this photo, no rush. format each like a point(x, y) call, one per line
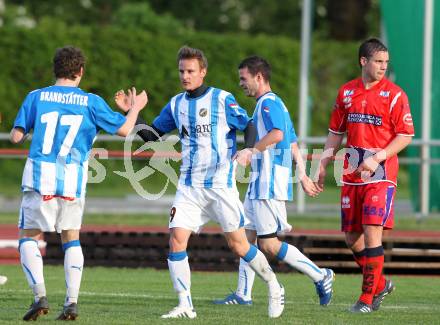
point(271, 184)
point(65, 121)
point(207, 120)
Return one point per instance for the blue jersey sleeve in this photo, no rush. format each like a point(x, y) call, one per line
point(26, 115)
point(236, 116)
point(105, 118)
point(273, 115)
point(165, 121)
point(293, 137)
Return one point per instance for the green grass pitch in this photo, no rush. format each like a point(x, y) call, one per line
point(140, 296)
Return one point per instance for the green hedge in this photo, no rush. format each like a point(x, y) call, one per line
point(121, 58)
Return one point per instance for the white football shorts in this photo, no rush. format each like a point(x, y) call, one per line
point(54, 214)
point(266, 216)
point(193, 207)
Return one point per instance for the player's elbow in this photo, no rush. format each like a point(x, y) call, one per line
point(277, 135)
point(405, 140)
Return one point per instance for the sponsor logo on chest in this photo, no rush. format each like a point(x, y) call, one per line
point(364, 118)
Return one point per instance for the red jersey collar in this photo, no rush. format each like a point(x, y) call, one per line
point(376, 86)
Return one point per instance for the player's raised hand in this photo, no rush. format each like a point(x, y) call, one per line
point(137, 102)
point(121, 100)
point(309, 187)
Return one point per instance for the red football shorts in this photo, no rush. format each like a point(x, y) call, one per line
point(369, 204)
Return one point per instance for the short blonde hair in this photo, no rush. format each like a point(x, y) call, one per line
point(186, 52)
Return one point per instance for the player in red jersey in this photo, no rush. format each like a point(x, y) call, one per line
point(375, 115)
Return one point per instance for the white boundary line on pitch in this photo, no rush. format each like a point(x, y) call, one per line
point(148, 296)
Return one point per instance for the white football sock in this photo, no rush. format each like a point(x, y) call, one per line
point(292, 256)
point(73, 268)
point(181, 277)
point(258, 262)
point(246, 278)
point(32, 264)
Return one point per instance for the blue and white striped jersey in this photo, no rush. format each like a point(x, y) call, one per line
point(207, 128)
point(271, 170)
point(65, 121)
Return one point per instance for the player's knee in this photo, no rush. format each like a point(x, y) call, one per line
point(177, 244)
point(30, 233)
point(237, 247)
point(69, 235)
point(354, 241)
point(233, 245)
point(267, 247)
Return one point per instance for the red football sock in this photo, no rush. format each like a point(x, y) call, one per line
point(381, 284)
point(372, 273)
point(360, 258)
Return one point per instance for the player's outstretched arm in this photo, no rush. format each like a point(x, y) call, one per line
point(307, 184)
point(244, 156)
point(136, 104)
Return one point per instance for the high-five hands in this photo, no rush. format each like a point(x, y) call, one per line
point(125, 102)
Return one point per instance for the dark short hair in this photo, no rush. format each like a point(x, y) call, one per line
point(67, 62)
point(369, 47)
point(256, 64)
point(186, 52)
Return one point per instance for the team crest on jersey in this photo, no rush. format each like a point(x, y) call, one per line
point(266, 109)
point(345, 202)
point(407, 119)
point(384, 93)
point(203, 112)
point(346, 100)
point(375, 198)
point(348, 92)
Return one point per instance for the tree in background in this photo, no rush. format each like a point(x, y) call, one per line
point(142, 16)
point(335, 19)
